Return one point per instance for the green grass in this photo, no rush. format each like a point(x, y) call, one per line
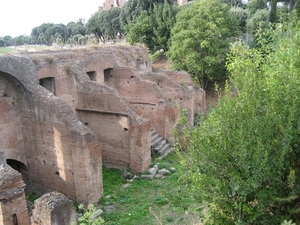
point(6, 50)
point(22, 48)
point(148, 202)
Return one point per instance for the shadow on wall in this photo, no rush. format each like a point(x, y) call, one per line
point(39, 136)
point(37, 141)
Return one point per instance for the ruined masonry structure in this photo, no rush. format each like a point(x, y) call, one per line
point(13, 207)
point(64, 113)
point(53, 208)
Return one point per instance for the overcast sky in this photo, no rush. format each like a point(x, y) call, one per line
point(19, 17)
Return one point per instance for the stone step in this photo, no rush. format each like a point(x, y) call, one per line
point(157, 141)
point(162, 150)
point(159, 145)
point(153, 132)
point(154, 136)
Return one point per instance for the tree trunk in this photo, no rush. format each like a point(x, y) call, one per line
point(291, 5)
point(273, 11)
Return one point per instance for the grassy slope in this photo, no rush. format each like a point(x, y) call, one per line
point(147, 202)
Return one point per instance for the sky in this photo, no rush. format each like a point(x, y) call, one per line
point(19, 17)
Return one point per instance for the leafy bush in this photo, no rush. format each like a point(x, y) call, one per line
point(242, 162)
point(91, 215)
point(242, 16)
point(259, 20)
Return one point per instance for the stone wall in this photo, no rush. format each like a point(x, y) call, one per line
point(108, 4)
point(13, 207)
point(58, 150)
point(71, 109)
point(53, 208)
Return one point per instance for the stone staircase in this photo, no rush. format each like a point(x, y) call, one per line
point(159, 146)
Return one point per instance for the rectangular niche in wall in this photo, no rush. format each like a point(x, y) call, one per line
point(92, 75)
point(108, 73)
point(48, 83)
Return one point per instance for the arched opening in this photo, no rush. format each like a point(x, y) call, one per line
point(20, 167)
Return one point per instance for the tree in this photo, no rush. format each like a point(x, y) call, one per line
point(273, 17)
point(254, 5)
point(6, 40)
point(200, 40)
point(234, 3)
point(105, 24)
point(260, 19)
point(133, 8)
point(242, 162)
point(153, 28)
point(297, 9)
point(242, 16)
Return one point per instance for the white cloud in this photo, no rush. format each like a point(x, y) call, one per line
point(19, 17)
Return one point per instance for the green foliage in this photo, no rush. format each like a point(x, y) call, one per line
point(112, 180)
point(254, 5)
point(234, 3)
point(260, 20)
point(297, 9)
point(200, 40)
point(273, 16)
point(91, 216)
point(157, 56)
point(168, 198)
point(242, 16)
point(288, 223)
point(31, 196)
point(48, 33)
point(133, 9)
point(6, 40)
point(153, 27)
point(105, 25)
point(242, 162)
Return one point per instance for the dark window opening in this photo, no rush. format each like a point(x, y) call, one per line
point(15, 219)
point(57, 173)
point(92, 75)
point(125, 129)
point(20, 167)
point(48, 83)
point(108, 73)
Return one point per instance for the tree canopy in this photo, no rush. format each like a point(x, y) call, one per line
point(105, 24)
point(254, 5)
point(153, 27)
point(133, 8)
point(242, 161)
point(200, 40)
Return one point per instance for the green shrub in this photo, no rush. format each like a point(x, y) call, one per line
point(91, 216)
point(242, 162)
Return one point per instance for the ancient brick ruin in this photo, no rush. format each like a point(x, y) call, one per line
point(65, 113)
